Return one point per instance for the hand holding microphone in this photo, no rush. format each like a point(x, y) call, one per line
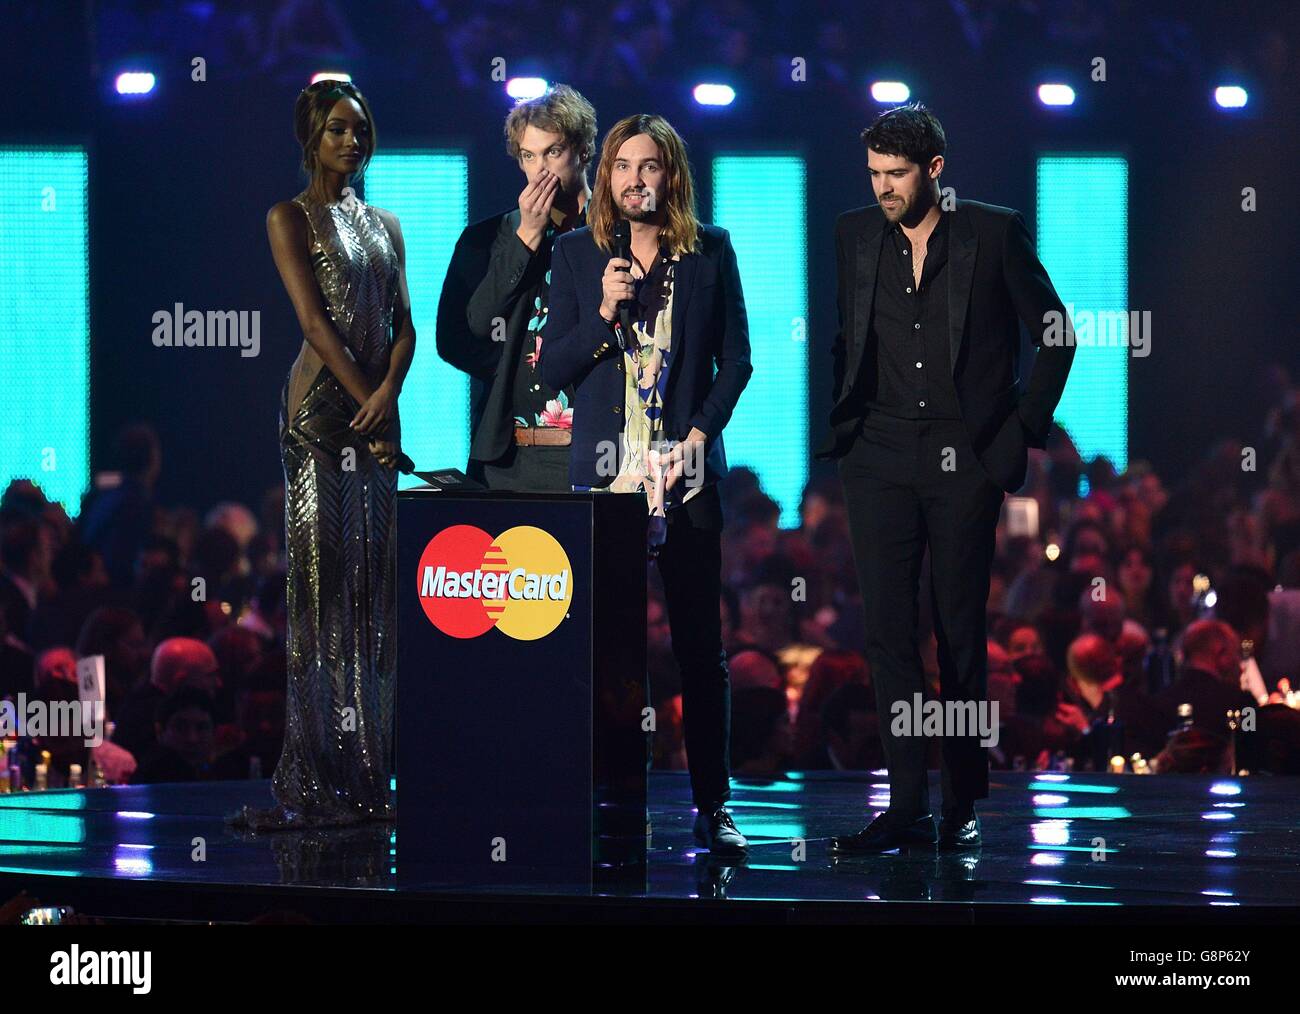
point(616, 284)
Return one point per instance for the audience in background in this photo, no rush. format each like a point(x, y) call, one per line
point(1125, 605)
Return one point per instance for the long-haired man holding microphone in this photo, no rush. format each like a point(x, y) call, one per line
point(656, 346)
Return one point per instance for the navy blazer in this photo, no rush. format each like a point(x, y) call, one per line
point(709, 364)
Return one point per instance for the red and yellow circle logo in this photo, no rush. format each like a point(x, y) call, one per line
point(521, 582)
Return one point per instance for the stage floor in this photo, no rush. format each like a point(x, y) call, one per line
point(1057, 848)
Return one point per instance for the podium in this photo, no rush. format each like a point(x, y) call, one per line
point(520, 751)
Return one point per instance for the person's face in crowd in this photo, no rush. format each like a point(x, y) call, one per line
point(1134, 575)
point(545, 151)
point(658, 632)
point(904, 189)
point(151, 560)
point(1091, 542)
point(638, 181)
point(1181, 592)
point(58, 665)
point(760, 541)
point(1226, 662)
point(767, 609)
point(1152, 492)
point(204, 676)
point(1024, 641)
point(131, 651)
point(998, 660)
point(189, 732)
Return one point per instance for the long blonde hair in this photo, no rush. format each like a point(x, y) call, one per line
point(681, 230)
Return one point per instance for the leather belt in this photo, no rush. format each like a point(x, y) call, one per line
point(543, 436)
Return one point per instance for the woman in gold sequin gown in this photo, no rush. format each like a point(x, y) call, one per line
point(342, 263)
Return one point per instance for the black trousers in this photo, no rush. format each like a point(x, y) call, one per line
point(909, 485)
point(690, 562)
point(532, 469)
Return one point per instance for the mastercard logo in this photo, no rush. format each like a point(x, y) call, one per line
point(520, 582)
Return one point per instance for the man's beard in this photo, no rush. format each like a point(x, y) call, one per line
point(893, 212)
point(637, 214)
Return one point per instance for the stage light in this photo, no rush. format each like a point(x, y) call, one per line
point(890, 91)
point(331, 75)
point(761, 199)
point(714, 94)
point(135, 82)
point(519, 88)
point(1082, 220)
point(1056, 95)
point(428, 191)
point(1230, 96)
point(45, 289)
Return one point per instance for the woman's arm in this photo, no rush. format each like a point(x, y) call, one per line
point(403, 351)
point(286, 227)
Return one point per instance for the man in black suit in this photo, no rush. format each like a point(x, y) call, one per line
point(931, 430)
point(657, 348)
point(495, 299)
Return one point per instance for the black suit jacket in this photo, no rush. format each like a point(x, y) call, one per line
point(710, 363)
point(995, 282)
point(490, 272)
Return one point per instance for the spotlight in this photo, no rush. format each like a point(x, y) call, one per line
point(526, 87)
point(714, 94)
point(331, 75)
point(1056, 95)
point(1230, 96)
point(135, 82)
point(890, 91)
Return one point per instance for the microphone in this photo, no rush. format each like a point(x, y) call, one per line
point(623, 250)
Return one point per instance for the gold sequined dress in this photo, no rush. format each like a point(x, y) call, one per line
point(339, 537)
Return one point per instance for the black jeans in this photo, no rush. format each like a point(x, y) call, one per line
point(690, 562)
point(909, 485)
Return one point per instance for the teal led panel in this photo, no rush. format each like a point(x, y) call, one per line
point(428, 191)
point(761, 199)
point(44, 321)
point(1083, 243)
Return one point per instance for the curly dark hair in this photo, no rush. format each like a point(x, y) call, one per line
point(911, 131)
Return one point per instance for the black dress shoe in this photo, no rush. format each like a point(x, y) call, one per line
point(959, 829)
point(886, 833)
point(715, 830)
